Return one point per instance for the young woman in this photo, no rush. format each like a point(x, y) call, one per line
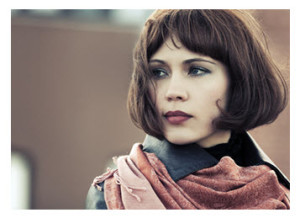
point(201, 79)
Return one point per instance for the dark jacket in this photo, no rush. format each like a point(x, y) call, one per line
point(181, 161)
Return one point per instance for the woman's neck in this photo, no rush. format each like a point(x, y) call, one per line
point(217, 137)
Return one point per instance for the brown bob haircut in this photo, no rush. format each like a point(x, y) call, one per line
point(257, 92)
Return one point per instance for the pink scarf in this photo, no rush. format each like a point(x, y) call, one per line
point(142, 182)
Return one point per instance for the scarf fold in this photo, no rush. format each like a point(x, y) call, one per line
point(141, 181)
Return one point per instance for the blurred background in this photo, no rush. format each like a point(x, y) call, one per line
point(70, 73)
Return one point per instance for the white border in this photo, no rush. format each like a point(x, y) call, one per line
point(54, 4)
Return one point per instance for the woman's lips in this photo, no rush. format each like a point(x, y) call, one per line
point(177, 117)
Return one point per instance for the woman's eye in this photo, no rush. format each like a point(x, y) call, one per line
point(159, 73)
point(198, 71)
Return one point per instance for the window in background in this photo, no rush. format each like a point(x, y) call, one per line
point(20, 181)
point(116, 17)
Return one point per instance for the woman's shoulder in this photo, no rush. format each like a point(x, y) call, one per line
point(95, 197)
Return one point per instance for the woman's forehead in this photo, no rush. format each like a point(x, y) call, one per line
point(172, 49)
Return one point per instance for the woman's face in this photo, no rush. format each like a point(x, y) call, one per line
point(187, 87)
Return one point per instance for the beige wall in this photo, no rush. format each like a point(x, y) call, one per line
point(69, 89)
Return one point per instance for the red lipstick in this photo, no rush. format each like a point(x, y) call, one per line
point(177, 117)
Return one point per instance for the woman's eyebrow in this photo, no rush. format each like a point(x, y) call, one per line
point(188, 61)
point(157, 60)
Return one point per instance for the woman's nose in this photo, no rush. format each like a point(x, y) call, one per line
point(176, 90)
